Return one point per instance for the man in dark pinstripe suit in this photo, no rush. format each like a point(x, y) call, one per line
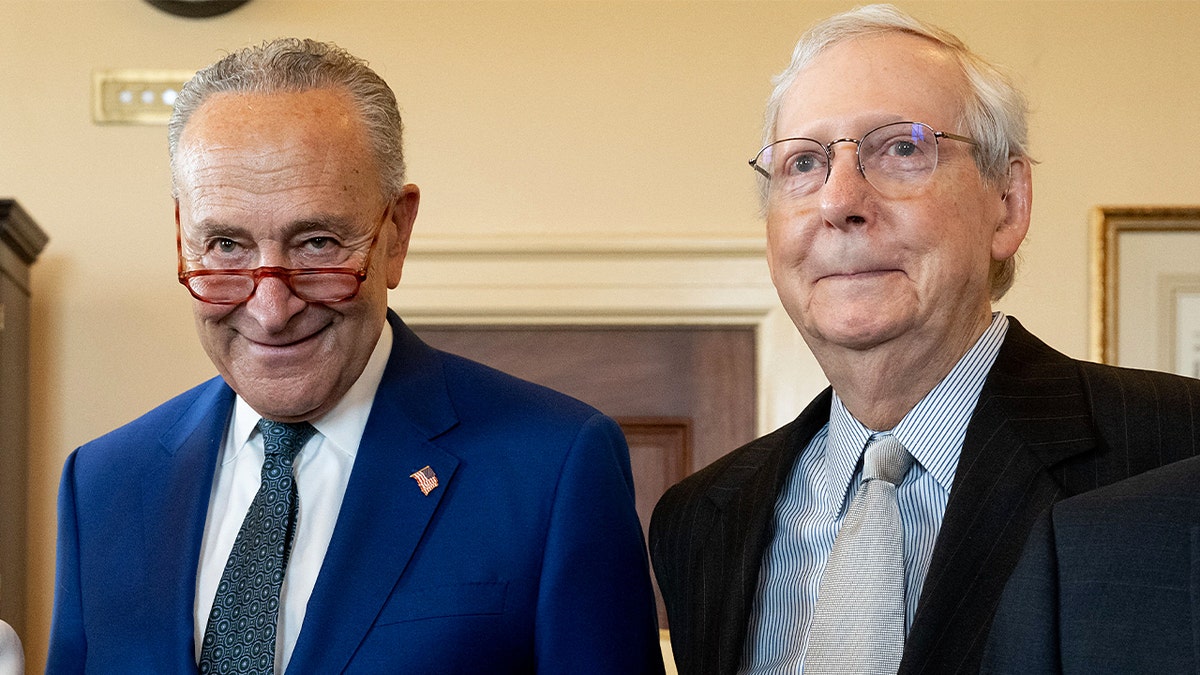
point(897, 190)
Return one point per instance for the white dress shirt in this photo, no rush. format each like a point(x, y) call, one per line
point(322, 471)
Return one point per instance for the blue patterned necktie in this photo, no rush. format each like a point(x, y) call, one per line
point(240, 636)
point(858, 624)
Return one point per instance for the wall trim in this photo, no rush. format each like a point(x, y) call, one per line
point(629, 282)
point(589, 245)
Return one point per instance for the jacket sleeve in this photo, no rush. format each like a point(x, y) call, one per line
point(595, 610)
point(68, 642)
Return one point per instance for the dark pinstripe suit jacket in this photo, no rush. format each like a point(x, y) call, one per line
point(1046, 427)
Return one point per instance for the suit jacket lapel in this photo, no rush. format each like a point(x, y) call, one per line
point(175, 508)
point(384, 514)
point(1031, 415)
point(745, 494)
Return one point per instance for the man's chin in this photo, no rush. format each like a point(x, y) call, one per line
point(860, 336)
point(290, 400)
point(273, 410)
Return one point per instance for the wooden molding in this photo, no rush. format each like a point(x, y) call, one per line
point(19, 232)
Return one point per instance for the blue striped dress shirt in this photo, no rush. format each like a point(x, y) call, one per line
point(824, 481)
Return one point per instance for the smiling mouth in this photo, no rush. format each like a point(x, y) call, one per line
point(286, 345)
point(862, 274)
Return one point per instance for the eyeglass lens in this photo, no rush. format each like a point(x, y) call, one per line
point(237, 286)
point(895, 159)
point(321, 277)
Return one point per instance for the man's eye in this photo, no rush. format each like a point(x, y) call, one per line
point(804, 163)
point(319, 243)
point(225, 245)
point(904, 149)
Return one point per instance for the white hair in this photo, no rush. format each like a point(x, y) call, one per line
point(295, 65)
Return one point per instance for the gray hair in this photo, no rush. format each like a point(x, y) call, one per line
point(295, 65)
point(994, 112)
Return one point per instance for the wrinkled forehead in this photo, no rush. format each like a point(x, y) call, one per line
point(862, 82)
point(265, 132)
point(283, 158)
point(252, 113)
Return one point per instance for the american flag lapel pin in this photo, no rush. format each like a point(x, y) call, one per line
point(426, 480)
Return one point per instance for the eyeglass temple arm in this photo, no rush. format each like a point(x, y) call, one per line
point(955, 137)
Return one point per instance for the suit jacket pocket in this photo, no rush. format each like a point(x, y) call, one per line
point(431, 602)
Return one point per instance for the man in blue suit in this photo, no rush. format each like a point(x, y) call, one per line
point(343, 498)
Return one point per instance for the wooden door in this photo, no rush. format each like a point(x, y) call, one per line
point(683, 395)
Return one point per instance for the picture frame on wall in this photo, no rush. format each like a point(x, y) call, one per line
point(1146, 287)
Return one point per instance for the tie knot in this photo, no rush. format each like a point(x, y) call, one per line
point(886, 459)
point(284, 439)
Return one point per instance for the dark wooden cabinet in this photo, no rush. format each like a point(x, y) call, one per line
point(21, 240)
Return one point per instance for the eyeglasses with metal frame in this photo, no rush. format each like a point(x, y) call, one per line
point(311, 284)
point(896, 159)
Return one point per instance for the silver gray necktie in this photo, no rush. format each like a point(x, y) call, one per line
point(858, 626)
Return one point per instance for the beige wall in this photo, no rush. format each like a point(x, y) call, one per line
point(608, 119)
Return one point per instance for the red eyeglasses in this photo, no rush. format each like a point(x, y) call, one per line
point(310, 284)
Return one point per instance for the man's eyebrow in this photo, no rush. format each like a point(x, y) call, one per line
point(332, 223)
point(218, 229)
point(336, 224)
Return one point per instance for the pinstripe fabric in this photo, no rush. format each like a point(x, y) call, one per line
point(1045, 427)
point(825, 480)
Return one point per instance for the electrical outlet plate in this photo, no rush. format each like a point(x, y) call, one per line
point(135, 96)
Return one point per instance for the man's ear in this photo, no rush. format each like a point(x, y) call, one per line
point(404, 213)
point(1017, 202)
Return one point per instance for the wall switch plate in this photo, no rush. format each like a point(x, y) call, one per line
point(135, 96)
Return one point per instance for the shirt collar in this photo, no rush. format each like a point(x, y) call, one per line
point(933, 431)
point(343, 425)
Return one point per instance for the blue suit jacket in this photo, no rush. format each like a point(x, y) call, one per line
point(1109, 583)
point(528, 556)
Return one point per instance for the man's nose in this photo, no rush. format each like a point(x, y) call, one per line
point(274, 304)
point(844, 195)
